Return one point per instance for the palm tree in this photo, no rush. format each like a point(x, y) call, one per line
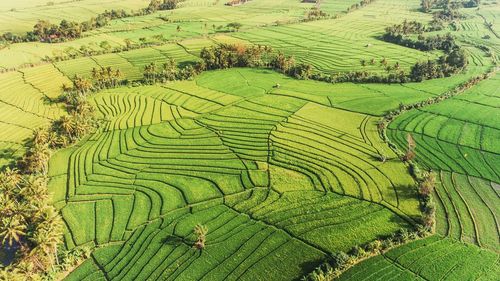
point(428, 183)
point(12, 230)
point(10, 177)
point(201, 233)
point(48, 234)
point(67, 125)
point(36, 160)
point(8, 204)
point(82, 125)
point(410, 152)
point(40, 136)
point(35, 189)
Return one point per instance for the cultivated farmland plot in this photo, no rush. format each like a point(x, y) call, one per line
point(240, 163)
point(285, 174)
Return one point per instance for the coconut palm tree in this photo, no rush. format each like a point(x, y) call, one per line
point(67, 125)
point(38, 159)
point(40, 136)
point(10, 178)
point(201, 236)
point(410, 152)
point(8, 204)
point(12, 229)
point(35, 189)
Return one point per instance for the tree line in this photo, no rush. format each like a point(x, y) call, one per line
point(339, 262)
point(226, 56)
point(31, 229)
point(452, 61)
point(427, 5)
point(236, 2)
point(359, 5)
point(45, 31)
point(399, 34)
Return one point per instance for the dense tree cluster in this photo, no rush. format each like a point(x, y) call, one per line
point(234, 55)
point(236, 2)
point(30, 226)
point(315, 13)
point(234, 26)
point(400, 34)
point(46, 31)
point(287, 65)
point(425, 188)
point(448, 10)
point(157, 5)
point(406, 28)
point(169, 71)
point(361, 4)
point(428, 5)
point(31, 229)
point(445, 66)
point(453, 60)
point(227, 56)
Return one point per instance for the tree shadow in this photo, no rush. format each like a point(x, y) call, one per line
point(7, 153)
point(173, 240)
point(309, 266)
point(186, 63)
point(377, 157)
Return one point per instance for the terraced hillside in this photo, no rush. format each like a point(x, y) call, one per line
point(334, 45)
point(250, 166)
point(459, 134)
point(284, 173)
point(457, 138)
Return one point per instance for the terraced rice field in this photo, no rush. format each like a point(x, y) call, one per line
point(20, 16)
point(459, 134)
point(283, 172)
point(468, 210)
point(331, 45)
point(339, 45)
point(248, 165)
point(31, 109)
point(434, 258)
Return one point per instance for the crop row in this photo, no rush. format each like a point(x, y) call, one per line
point(434, 258)
point(468, 210)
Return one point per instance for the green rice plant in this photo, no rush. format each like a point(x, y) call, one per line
point(433, 257)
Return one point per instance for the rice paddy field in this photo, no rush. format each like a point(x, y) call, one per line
point(239, 162)
point(284, 173)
